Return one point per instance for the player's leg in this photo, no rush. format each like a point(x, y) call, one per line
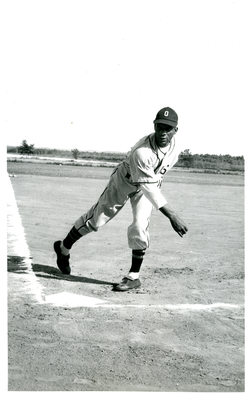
point(111, 201)
point(138, 239)
point(138, 231)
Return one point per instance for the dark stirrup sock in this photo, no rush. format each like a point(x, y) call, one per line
point(71, 238)
point(137, 258)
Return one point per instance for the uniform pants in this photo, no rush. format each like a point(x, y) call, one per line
point(111, 201)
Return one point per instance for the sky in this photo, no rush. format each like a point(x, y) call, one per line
point(93, 74)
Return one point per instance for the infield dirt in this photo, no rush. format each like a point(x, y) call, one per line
point(145, 339)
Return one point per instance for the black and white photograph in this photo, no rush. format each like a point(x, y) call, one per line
point(126, 136)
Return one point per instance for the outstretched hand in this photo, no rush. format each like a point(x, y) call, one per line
point(178, 225)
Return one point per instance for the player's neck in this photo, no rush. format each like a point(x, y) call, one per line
point(165, 149)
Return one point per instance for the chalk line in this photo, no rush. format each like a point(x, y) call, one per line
point(66, 299)
point(17, 247)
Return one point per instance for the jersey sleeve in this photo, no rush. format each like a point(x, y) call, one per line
point(141, 164)
point(153, 193)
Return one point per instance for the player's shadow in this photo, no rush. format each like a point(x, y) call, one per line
point(48, 272)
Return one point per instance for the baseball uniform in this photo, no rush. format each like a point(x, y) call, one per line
point(138, 179)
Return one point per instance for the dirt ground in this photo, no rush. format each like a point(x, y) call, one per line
point(181, 331)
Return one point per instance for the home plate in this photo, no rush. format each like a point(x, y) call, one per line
point(66, 299)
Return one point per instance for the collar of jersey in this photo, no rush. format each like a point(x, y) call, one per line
point(154, 146)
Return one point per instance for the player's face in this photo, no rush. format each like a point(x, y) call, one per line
point(164, 134)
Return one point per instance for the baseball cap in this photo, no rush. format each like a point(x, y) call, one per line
point(167, 116)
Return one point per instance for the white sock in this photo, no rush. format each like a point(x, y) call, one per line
point(133, 275)
point(64, 251)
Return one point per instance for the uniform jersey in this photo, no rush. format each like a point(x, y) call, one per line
point(146, 163)
point(138, 179)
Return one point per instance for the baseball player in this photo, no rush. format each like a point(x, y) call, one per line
point(138, 179)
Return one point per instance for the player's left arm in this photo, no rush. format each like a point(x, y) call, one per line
point(154, 195)
point(143, 175)
point(177, 224)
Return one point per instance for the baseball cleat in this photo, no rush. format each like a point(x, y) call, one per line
point(127, 284)
point(62, 261)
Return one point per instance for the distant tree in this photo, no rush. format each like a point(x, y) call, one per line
point(187, 158)
point(12, 149)
point(26, 148)
point(75, 153)
point(227, 158)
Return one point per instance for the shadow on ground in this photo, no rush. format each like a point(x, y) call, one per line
point(23, 265)
point(17, 264)
point(48, 272)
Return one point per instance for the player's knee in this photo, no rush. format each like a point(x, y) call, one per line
point(137, 229)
